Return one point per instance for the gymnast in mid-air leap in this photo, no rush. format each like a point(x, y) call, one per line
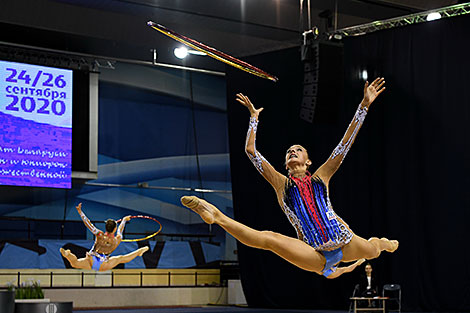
point(324, 239)
point(98, 257)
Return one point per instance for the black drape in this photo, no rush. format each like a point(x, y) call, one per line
point(404, 178)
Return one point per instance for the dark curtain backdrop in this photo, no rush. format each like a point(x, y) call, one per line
point(406, 176)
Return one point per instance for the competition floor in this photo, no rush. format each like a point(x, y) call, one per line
point(218, 309)
point(209, 309)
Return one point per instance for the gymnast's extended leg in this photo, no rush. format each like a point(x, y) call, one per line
point(292, 250)
point(116, 260)
point(369, 249)
point(83, 263)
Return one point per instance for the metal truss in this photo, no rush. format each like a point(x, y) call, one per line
point(450, 11)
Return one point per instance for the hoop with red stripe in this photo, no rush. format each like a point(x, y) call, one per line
point(212, 52)
point(149, 236)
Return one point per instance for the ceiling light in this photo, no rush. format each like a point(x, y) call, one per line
point(433, 16)
point(180, 52)
point(364, 75)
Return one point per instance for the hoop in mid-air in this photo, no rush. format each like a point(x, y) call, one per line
point(214, 53)
point(144, 238)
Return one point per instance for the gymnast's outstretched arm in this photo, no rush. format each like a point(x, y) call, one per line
point(371, 92)
point(275, 178)
point(86, 221)
point(121, 227)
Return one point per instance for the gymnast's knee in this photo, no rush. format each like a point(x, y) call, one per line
point(372, 252)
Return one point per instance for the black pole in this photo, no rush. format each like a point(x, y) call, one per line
point(65, 214)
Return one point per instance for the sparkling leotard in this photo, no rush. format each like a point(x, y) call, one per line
point(305, 201)
point(308, 208)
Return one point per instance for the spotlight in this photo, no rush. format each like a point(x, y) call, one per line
point(433, 16)
point(181, 52)
point(335, 37)
point(364, 75)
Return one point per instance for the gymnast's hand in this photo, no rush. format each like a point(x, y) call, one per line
point(79, 208)
point(246, 102)
point(127, 218)
point(372, 91)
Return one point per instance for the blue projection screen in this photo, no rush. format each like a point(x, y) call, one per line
point(35, 125)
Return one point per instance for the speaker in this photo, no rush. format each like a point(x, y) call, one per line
point(322, 83)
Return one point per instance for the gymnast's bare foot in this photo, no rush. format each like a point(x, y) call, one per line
point(142, 250)
point(65, 253)
point(206, 210)
point(394, 244)
point(356, 264)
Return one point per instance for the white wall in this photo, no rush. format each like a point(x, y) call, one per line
point(138, 297)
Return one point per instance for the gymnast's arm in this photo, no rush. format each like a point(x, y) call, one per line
point(87, 222)
point(371, 92)
point(275, 178)
point(121, 227)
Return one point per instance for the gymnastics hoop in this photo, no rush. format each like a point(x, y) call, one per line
point(144, 238)
point(212, 52)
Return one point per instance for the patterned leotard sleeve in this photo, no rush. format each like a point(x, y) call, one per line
point(88, 224)
point(345, 144)
point(275, 178)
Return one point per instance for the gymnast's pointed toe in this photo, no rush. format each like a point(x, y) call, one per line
point(190, 201)
point(206, 210)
